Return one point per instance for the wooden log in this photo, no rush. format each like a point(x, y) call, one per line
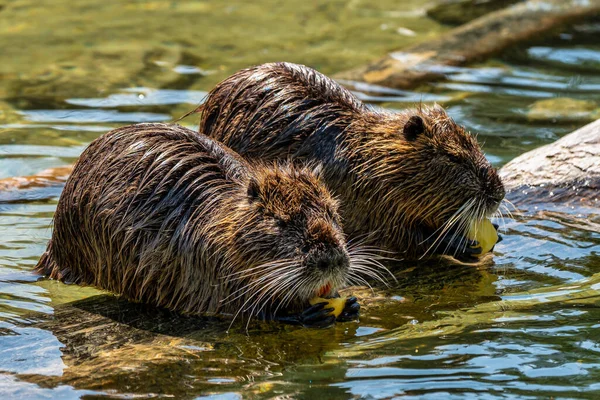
point(566, 171)
point(458, 12)
point(476, 41)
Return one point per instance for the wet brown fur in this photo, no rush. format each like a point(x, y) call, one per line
point(163, 215)
point(395, 192)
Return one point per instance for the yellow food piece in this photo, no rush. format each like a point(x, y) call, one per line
point(485, 233)
point(337, 303)
point(264, 387)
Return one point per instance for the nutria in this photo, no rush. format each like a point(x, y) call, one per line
point(408, 182)
point(163, 215)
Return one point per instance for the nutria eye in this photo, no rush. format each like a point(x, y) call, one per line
point(318, 170)
point(253, 191)
point(330, 214)
point(413, 128)
point(453, 158)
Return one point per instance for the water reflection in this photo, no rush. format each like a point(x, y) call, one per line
point(142, 97)
point(91, 116)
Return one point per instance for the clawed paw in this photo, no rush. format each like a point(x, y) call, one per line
point(351, 310)
point(317, 316)
point(460, 247)
point(320, 315)
point(496, 227)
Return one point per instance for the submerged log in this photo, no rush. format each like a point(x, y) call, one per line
point(457, 12)
point(476, 41)
point(566, 171)
point(43, 185)
point(45, 178)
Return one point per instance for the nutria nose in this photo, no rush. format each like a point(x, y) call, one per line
point(326, 251)
point(332, 260)
point(498, 191)
point(492, 185)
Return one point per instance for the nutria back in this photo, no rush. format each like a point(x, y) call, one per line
point(163, 215)
point(410, 182)
point(280, 109)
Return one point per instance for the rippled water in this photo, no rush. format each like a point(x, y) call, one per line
point(524, 324)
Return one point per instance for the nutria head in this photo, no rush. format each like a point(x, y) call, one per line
point(426, 168)
point(290, 245)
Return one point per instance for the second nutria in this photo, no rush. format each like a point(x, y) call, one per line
point(411, 181)
point(163, 215)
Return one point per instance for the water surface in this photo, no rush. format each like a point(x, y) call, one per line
point(525, 323)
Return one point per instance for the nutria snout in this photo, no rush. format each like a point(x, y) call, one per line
point(409, 182)
point(164, 215)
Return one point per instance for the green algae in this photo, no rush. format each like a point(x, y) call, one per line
point(63, 49)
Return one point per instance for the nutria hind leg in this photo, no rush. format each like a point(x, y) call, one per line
point(316, 316)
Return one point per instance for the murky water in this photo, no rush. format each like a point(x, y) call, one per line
point(524, 324)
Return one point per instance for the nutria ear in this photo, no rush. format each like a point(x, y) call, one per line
point(413, 128)
point(253, 190)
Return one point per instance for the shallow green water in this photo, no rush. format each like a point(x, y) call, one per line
point(524, 324)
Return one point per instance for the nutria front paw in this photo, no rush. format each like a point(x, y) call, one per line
point(496, 226)
point(460, 247)
point(351, 310)
point(463, 248)
point(316, 316)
